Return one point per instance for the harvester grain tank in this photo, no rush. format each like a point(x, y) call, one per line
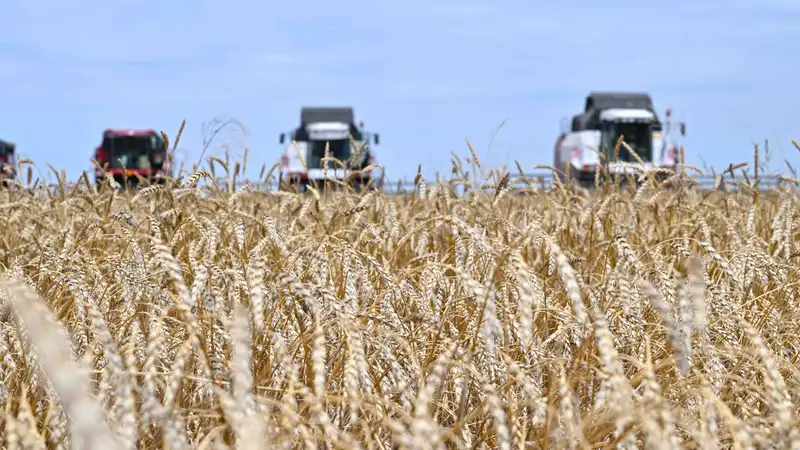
point(302, 161)
point(130, 154)
point(594, 132)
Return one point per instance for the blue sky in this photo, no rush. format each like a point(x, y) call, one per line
point(426, 75)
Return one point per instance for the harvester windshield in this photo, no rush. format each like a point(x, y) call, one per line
point(134, 152)
point(638, 135)
point(341, 149)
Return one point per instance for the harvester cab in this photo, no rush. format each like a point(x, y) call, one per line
point(607, 117)
point(130, 154)
point(303, 159)
point(8, 160)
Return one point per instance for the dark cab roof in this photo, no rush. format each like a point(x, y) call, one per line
point(599, 101)
point(325, 114)
point(6, 147)
point(608, 100)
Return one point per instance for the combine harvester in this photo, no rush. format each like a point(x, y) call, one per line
point(8, 161)
point(129, 154)
point(607, 116)
point(333, 127)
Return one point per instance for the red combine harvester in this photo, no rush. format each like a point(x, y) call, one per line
point(130, 154)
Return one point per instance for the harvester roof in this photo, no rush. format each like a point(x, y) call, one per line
point(128, 132)
point(627, 100)
point(596, 102)
point(326, 114)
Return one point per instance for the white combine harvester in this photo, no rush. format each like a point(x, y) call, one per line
point(303, 160)
point(606, 117)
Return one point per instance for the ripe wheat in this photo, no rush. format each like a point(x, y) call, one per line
point(202, 317)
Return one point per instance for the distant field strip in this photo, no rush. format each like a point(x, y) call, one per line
point(539, 180)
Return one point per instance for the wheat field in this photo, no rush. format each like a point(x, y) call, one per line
point(197, 316)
